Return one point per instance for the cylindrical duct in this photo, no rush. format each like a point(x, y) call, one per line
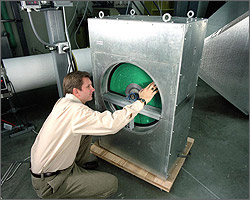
point(31, 72)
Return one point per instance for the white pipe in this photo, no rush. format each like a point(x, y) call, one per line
point(31, 72)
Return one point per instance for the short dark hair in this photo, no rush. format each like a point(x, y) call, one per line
point(73, 80)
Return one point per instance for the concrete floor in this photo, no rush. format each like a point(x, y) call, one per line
point(218, 167)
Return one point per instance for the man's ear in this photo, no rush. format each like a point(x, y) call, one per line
point(75, 92)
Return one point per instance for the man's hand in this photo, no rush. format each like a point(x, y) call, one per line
point(148, 92)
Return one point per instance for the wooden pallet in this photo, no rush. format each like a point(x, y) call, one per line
point(164, 184)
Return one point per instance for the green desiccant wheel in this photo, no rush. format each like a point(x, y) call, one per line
point(124, 75)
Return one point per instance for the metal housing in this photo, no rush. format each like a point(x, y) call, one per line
point(170, 53)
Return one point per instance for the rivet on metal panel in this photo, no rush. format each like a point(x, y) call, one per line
point(190, 14)
point(180, 74)
point(168, 17)
point(192, 107)
point(169, 154)
point(185, 38)
point(172, 131)
point(101, 14)
point(194, 51)
point(189, 127)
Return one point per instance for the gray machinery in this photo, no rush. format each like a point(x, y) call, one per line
point(225, 58)
point(58, 36)
point(59, 46)
point(128, 52)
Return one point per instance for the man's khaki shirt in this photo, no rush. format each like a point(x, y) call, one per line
point(57, 143)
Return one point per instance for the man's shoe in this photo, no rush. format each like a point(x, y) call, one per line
point(90, 165)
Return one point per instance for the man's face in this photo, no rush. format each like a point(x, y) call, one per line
point(87, 90)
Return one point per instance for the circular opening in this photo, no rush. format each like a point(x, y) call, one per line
point(127, 79)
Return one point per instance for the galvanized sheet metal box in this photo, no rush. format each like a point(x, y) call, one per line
point(170, 53)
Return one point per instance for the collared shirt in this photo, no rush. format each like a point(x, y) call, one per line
point(57, 143)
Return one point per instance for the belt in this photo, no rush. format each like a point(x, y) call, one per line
point(48, 174)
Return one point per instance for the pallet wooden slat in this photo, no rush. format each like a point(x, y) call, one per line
point(164, 184)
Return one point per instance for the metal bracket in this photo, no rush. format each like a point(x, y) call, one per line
point(184, 156)
point(62, 47)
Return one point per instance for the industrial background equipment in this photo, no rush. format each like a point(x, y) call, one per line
point(59, 43)
point(38, 70)
point(6, 90)
point(129, 52)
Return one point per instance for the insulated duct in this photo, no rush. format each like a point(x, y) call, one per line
point(225, 58)
point(31, 72)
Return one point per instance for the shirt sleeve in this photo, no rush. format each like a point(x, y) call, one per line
point(89, 122)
